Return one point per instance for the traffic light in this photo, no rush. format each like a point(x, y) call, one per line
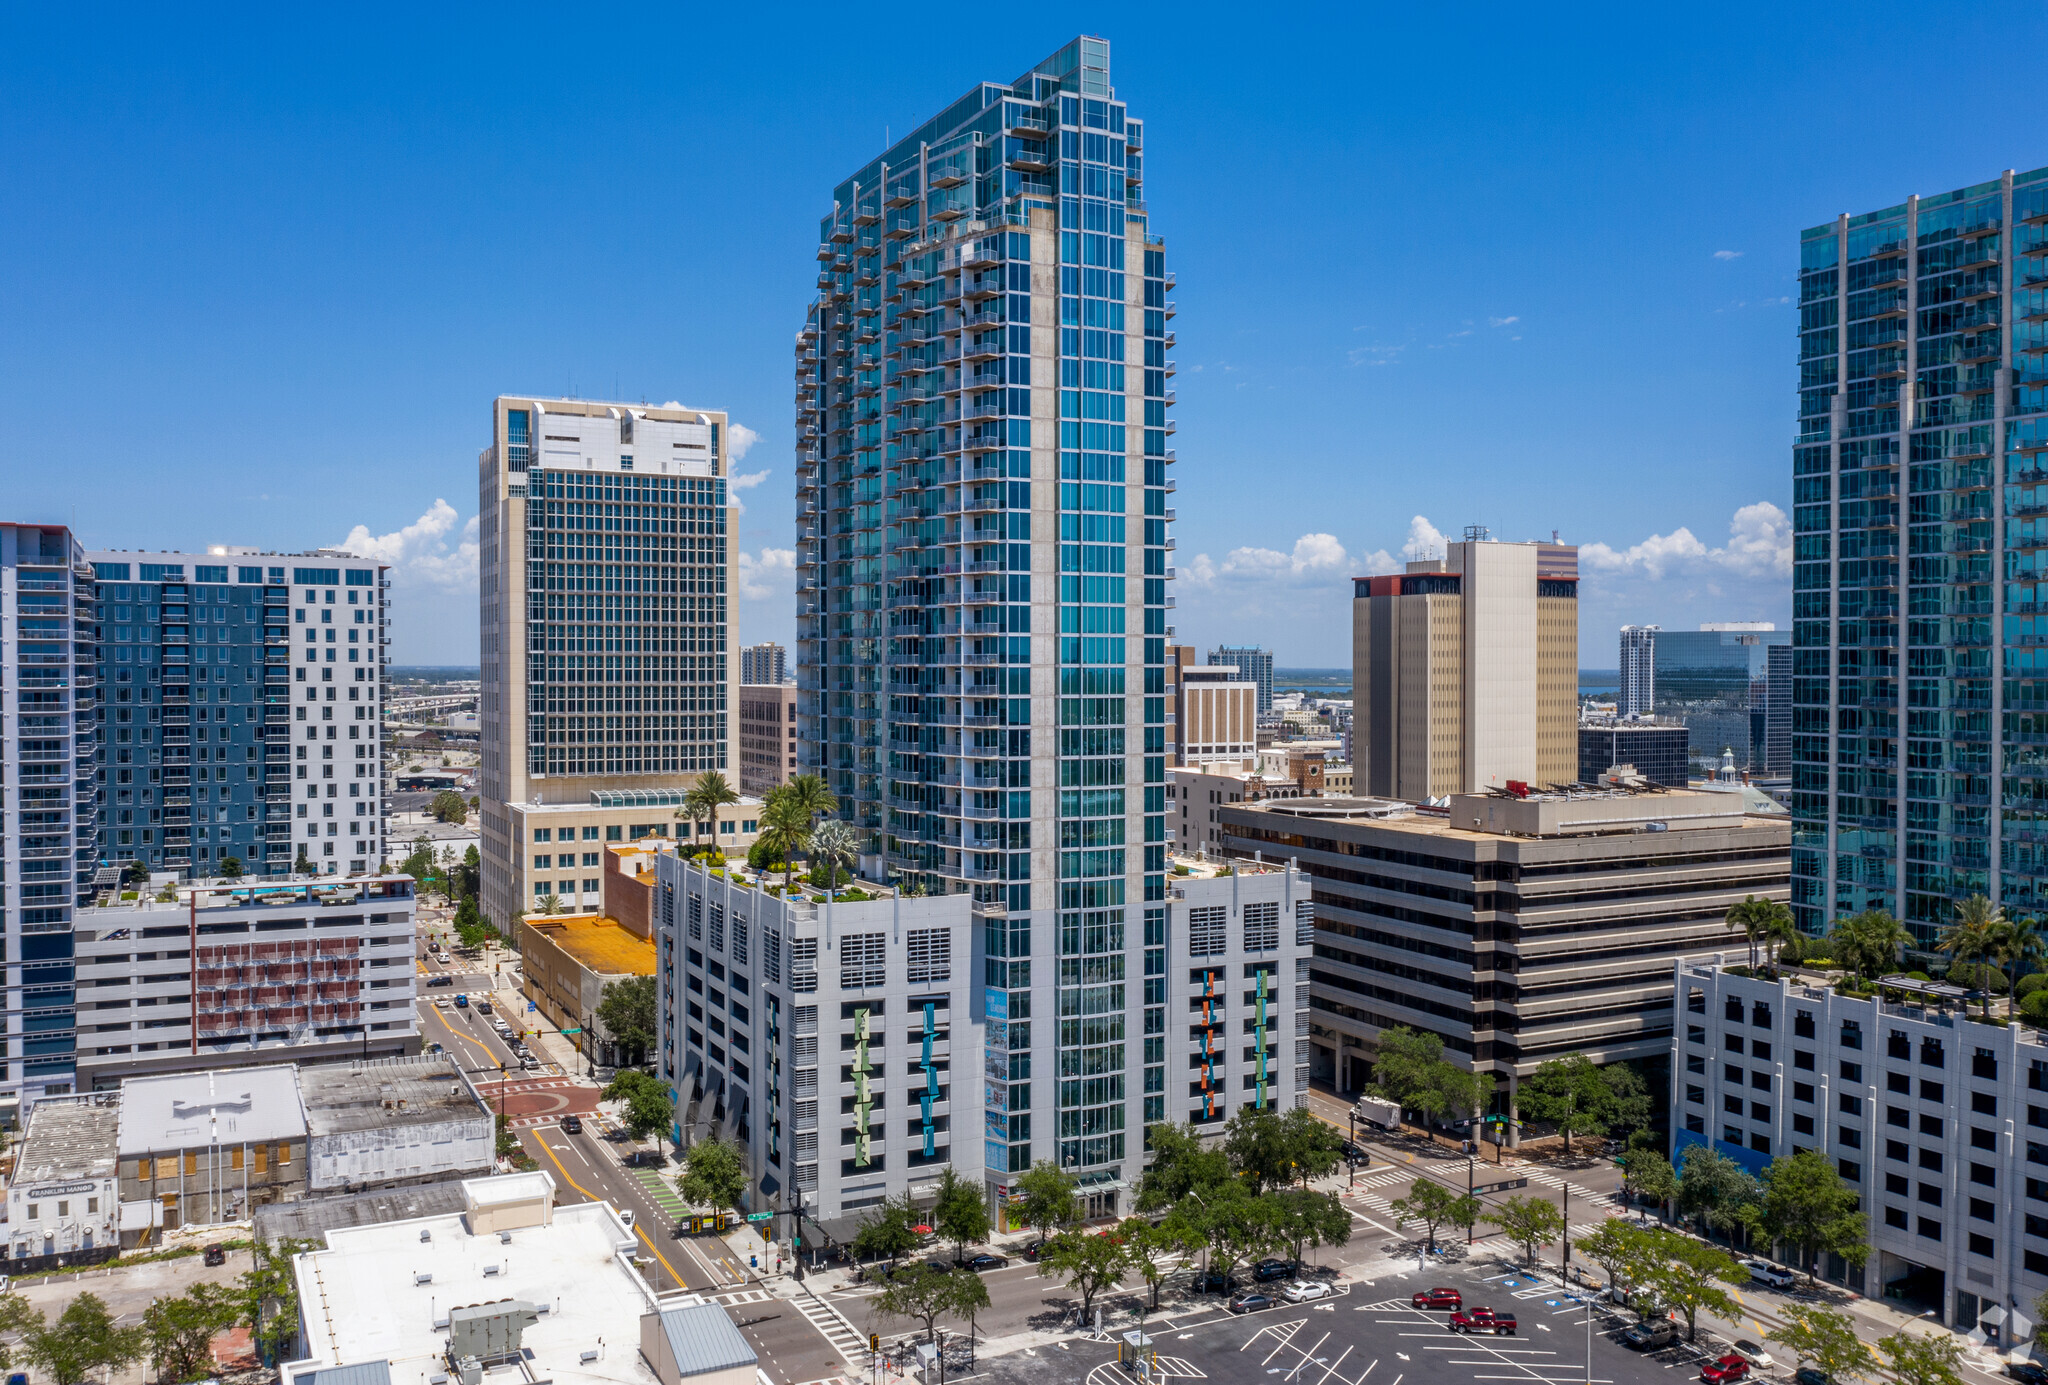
point(874, 1341)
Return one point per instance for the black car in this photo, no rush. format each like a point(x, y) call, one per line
point(1251, 1301)
point(216, 1255)
point(1034, 1250)
point(572, 1125)
point(1653, 1334)
point(1268, 1270)
point(939, 1264)
point(1354, 1153)
point(440, 981)
point(1807, 1375)
point(986, 1262)
point(2026, 1372)
point(1214, 1283)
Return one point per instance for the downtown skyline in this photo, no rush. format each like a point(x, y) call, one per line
point(1453, 367)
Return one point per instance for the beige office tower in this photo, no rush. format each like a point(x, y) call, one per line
point(1465, 671)
point(607, 561)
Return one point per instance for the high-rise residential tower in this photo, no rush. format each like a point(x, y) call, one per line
point(763, 664)
point(1253, 664)
point(982, 567)
point(244, 697)
point(1638, 692)
point(49, 738)
point(1919, 686)
point(605, 564)
point(1465, 671)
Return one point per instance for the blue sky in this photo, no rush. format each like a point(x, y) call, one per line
point(264, 270)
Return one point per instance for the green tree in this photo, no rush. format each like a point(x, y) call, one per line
point(1869, 943)
point(419, 864)
point(1434, 1205)
point(270, 1292)
point(15, 1318)
point(1629, 1102)
point(1648, 1175)
point(1826, 1337)
point(1086, 1263)
point(786, 828)
point(1143, 1242)
point(2017, 944)
point(1528, 1222)
point(1302, 1218)
point(648, 1105)
point(714, 1175)
point(626, 1010)
point(1256, 1147)
point(181, 1330)
point(809, 793)
point(889, 1232)
point(701, 802)
point(763, 856)
point(231, 867)
point(1764, 922)
point(1624, 1250)
point(1411, 1071)
point(1691, 1275)
point(448, 806)
point(919, 1293)
point(1043, 1197)
point(1181, 1165)
point(469, 875)
point(1570, 1093)
point(1312, 1145)
point(548, 904)
point(1236, 1225)
point(1916, 1358)
point(960, 1212)
point(1973, 935)
point(835, 846)
point(1716, 1189)
point(82, 1343)
point(1808, 1205)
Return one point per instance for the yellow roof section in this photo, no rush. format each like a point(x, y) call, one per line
point(602, 944)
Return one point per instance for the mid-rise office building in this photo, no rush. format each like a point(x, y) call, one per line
point(1517, 929)
point(49, 800)
point(763, 664)
point(605, 564)
point(244, 710)
point(1933, 1117)
point(1718, 681)
point(1654, 746)
point(1253, 664)
point(768, 746)
point(901, 995)
point(1465, 671)
point(1215, 712)
point(1637, 695)
point(1923, 400)
point(982, 547)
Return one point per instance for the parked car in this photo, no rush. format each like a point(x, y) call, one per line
point(626, 1216)
point(1807, 1375)
point(1653, 1334)
point(572, 1125)
point(1251, 1301)
point(1726, 1371)
point(1439, 1298)
point(1214, 1283)
point(2026, 1372)
point(986, 1261)
point(440, 981)
point(1268, 1270)
point(1483, 1320)
point(1755, 1353)
point(1765, 1273)
point(216, 1254)
point(1034, 1250)
point(1305, 1290)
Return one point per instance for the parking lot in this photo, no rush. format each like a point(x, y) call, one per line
point(1369, 1334)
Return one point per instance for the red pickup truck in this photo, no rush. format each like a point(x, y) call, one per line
point(1483, 1320)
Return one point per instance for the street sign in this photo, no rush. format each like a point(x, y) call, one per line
point(577, 1030)
point(760, 1216)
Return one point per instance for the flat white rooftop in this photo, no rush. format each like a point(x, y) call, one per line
point(377, 1293)
point(231, 1106)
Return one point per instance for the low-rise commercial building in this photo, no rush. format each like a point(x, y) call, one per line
point(1657, 748)
point(393, 1121)
point(563, 844)
point(1518, 929)
point(63, 1203)
point(1197, 794)
point(768, 749)
point(511, 1283)
point(208, 1147)
point(301, 969)
point(1940, 1121)
point(568, 960)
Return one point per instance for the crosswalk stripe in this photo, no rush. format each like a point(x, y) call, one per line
point(835, 1328)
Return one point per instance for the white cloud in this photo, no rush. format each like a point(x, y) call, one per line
point(1425, 540)
point(1376, 355)
point(1378, 563)
point(1502, 321)
point(1314, 555)
point(1201, 571)
point(1727, 254)
point(743, 440)
point(747, 480)
point(770, 574)
point(421, 551)
point(1759, 546)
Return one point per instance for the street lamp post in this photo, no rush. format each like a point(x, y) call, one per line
point(1351, 1156)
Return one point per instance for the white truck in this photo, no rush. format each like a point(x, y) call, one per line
point(1372, 1111)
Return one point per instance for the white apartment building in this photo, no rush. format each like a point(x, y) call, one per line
point(1940, 1121)
point(300, 969)
point(606, 565)
point(64, 1198)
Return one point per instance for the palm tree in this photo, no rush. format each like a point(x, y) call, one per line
point(1869, 942)
point(550, 904)
point(786, 827)
point(2017, 944)
point(810, 793)
point(701, 804)
point(836, 842)
point(1972, 935)
point(1760, 920)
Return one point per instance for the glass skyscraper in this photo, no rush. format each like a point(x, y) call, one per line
point(982, 565)
point(1920, 683)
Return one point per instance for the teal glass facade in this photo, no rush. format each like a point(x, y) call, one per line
point(1920, 685)
point(982, 412)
